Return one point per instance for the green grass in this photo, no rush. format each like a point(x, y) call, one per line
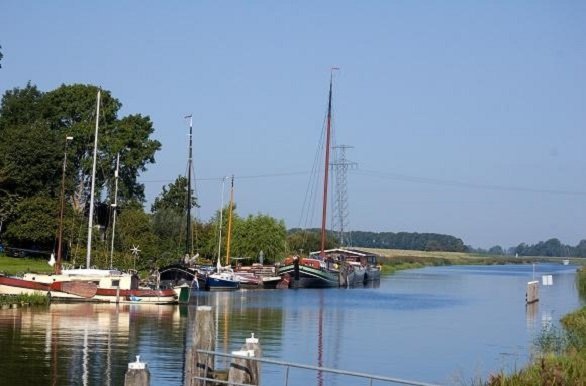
point(547, 370)
point(393, 260)
point(17, 265)
point(24, 299)
point(581, 282)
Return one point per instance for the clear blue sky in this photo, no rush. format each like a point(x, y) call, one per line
point(467, 118)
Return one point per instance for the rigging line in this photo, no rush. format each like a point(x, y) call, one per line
point(309, 202)
point(267, 175)
point(308, 209)
point(440, 182)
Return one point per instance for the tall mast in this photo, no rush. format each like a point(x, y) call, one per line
point(91, 220)
point(188, 239)
point(230, 223)
point(220, 228)
point(115, 208)
point(59, 242)
point(326, 169)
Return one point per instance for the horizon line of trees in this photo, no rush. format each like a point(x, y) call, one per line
point(549, 248)
point(407, 240)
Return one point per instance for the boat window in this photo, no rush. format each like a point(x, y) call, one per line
point(115, 283)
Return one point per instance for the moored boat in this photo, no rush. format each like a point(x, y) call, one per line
point(257, 275)
point(309, 273)
point(223, 279)
point(98, 285)
point(355, 257)
point(248, 279)
point(92, 285)
point(317, 272)
point(352, 274)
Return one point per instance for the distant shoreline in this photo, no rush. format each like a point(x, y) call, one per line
point(393, 260)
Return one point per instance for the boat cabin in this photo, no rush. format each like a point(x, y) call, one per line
point(348, 255)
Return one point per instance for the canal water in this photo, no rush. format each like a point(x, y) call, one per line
point(446, 325)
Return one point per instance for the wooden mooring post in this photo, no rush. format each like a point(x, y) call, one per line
point(243, 370)
point(532, 294)
point(203, 338)
point(137, 374)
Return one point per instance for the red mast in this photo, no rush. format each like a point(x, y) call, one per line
point(326, 168)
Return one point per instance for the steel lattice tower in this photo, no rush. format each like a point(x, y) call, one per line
point(340, 166)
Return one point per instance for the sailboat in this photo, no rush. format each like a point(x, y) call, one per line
point(86, 284)
point(183, 274)
point(223, 278)
point(319, 272)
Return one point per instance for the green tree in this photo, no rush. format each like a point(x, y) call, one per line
point(134, 228)
point(33, 127)
point(29, 160)
point(21, 106)
point(581, 249)
point(130, 137)
point(36, 224)
point(260, 233)
point(170, 220)
point(496, 250)
point(304, 241)
point(8, 203)
point(210, 243)
point(169, 228)
point(205, 239)
point(174, 197)
point(71, 110)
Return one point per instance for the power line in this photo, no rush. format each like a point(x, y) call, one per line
point(441, 182)
point(403, 177)
point(255, 176)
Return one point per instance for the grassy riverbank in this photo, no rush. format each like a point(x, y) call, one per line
point(33, 300)
point(395, 259)
point(562, 353)
point(16, 265)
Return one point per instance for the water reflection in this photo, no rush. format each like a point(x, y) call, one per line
point(79, 344)
point(460, 321)
point(531, 310)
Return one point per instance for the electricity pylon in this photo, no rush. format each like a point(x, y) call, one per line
point(340, 166)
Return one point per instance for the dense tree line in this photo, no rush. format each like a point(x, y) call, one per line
point(407, 240)
point(551, 248)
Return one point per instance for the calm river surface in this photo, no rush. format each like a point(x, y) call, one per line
point(446, 325)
